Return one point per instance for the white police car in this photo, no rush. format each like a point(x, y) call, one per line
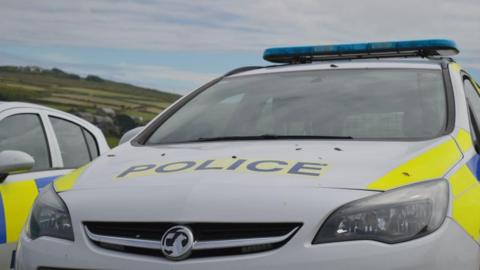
point(37, 145)
point(329, 160)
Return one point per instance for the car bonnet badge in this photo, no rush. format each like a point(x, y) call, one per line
point(177, 243)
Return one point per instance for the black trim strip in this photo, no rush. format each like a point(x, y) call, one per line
point(241, 69)
point(86, 143)
point(450, 97)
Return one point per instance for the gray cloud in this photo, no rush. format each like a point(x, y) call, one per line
point(234, 25)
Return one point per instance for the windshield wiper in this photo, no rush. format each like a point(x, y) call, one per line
point(272, 137)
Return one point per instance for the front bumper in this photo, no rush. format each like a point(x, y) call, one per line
point(447, 248)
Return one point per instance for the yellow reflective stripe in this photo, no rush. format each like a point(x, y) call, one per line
point(67, 181)
point(466, 211)
point(461, 180)
point(464, 140)
point(18, 198)
point(433, 163)
point(456, 67)
point(477, 87)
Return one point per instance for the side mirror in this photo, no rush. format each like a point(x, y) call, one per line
point(15, 161)
point(130, 134)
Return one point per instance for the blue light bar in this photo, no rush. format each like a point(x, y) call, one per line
point(412, 48)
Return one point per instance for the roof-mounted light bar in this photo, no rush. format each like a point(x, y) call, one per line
point(412, 48)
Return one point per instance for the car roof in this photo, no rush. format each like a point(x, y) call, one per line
point(5, 105)
point(346, 64)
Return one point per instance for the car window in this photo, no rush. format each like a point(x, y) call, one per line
point(72, 143)
point(25, 132)
point(472, 97)
point(91, 143)
point(473, 100)
point(362, 103)
point(215, 119)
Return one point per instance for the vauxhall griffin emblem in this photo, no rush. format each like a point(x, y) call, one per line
point(177, 243)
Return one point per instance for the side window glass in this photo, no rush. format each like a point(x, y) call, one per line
point(72, 143)
point(473, 99)
point(24, 132)
point(473, 126)
point(91, 143)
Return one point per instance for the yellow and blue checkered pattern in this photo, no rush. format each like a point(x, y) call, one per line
point(16, 199)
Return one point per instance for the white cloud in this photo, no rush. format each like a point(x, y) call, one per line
point(152, 72)
point(154, 76)
point(234, 25)
point(229, 26)
point(56, 57)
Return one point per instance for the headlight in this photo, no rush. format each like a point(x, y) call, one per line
point(49, 217)
point(394, 216)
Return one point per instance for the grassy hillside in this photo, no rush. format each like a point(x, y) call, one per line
point(88, 96)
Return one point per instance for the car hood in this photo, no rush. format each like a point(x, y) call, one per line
point(370, 165)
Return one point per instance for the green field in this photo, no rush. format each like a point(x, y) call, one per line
point(72, 93)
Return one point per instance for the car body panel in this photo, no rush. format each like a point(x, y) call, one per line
point(371, 64)
point(18, 191)
point(367, 161)
point(201, 182)
point(447, 248)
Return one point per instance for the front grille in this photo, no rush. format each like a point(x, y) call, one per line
point(279, 233)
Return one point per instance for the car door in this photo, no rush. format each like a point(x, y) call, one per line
point(57, 143)
point(469, 200)
point(23, 129)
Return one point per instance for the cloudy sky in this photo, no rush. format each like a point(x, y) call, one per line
point(178, 45)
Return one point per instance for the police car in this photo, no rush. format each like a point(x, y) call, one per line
point(37, 145)
point(356, 156)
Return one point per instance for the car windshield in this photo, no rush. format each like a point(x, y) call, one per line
point(386, 104)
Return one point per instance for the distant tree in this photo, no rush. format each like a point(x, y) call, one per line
point(73, 76)
point(58, 71)
point(125, 123)
point(94, 78)
point(4, 97)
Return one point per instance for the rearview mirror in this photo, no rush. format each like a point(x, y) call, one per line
point(130, 134)
point(15, 161)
